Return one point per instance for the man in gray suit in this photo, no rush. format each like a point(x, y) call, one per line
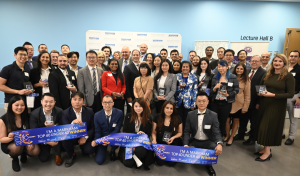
point(126, 59)
point(202, 129)
point(89, 82)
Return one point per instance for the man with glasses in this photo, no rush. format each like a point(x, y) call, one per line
point(89, 82)
point(255, 75)
point(108, 121)
point(14, 75)
point(229, 54)
point(209, 52)
point(220, 53)
point(294, 68)
point(30, 63)
point(126, 59)
point(265, 60)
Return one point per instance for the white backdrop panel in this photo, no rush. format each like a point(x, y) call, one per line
point(253, 48)
point(201, 45)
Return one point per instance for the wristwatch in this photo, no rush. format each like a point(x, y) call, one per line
point(220, 143)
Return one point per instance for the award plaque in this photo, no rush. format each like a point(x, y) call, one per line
point(28, 86)
point(161, 91)
point(262, 89)
point(223, 87)
point(167, 135)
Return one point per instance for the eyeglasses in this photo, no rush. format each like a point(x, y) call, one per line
point(91, 57)
point(255, 61)
point(107, 103)
point(228, 55)
point(24, 55)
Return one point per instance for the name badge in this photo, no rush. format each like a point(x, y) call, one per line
point(294, 74)
point(73, 77)
point(230, 84)
point(114, 125)
point(207, 126)
point(26, 74)
point(109, 74)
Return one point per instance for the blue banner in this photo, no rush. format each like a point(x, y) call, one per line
point(163, 152)
point(49, 134)
point(185, 154)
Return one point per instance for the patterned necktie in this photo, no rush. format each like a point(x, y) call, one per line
point(29, 64)
point(200, 113)
point(94, 81)
point(251, 74)
point(125, 63)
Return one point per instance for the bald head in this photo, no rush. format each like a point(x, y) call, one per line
point(143, 48)
point(265, 58)
point(125, 52)
point(180, 57)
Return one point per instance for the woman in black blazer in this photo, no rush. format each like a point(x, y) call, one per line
point(138, 122)
point(39, 76)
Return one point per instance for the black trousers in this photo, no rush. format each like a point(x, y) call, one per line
point(45, 150)
point(182, 112)
point(158, 105)
point(86, 147)
point(205, 144)
point(119, 104)
point(97, 104)
point(146, 156)
point(162, 162)
point(222, 108)
point(252, 116)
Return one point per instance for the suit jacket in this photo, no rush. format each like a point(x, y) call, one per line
point(121, 62)
point(170, 86)
point(85, 84)
point(254, 82)
point(57, 85)
point(35, 77)
point(130, 127)
point(87, 116)
point(68, 67)
point(102, 128)
point(191, 126)
point(214, 64)
point(109, 84)
point(37, 117)
point(130, 73)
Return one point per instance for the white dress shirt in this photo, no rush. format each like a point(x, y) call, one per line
point(48, 117)
point(79, 116)
point(74, 70)
point(65, 72)
point(97, 78)
point(108, 115)
point(136, 65)
point(251, 73)
point(123, 65)
point(45, 75)
point(200, 135)
point(162, 80)
point(137, 126)
point(266, 67)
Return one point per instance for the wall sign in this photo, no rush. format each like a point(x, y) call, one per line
point(261, 38)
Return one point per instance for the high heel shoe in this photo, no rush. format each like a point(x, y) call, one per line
point(259, 154)
point(263, 160)
point(226, 140)
point(229, 144)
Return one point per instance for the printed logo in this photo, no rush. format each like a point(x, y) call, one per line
point(142, 35)
point(160, 151)
point(94, 38)
point(173, 35)
point(110, 44)
point(25, 138)
point(110, 33)
point(172, 46)
point(248, 49)
point(123, 39)
point(157, 40)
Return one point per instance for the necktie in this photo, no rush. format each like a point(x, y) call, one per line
point(251, 74)
point(94, 81)
point(200, 113)
point(107, 118)
point(125, 63)
point(29, 64)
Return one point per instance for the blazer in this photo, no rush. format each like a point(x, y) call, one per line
point(170, 86)
point(231, 90)
point(130, 127)
point(68, 67)
point(35, 77)
point(254, 82)
point(109, 85)
point(87, 116)
point(210, 120)
point(121, 62)
point(231, 68)
point(188, 94)
point(37, 117)
point(104, 67)
point(242, 99)
point(207, 81)
point(130, 73)
point(57, 85)
point(102, 128)
point(85, 84)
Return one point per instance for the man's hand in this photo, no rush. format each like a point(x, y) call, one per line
point(94, 144)
point(129, 100)
point(72, 89)
point(297, 101)
point(82, 141)
point(24, 92)
point(52, 143)
point(49, 125)
point(218, 149)
point(77, 121)
point(257, 106)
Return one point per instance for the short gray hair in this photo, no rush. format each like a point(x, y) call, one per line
point(256, 56)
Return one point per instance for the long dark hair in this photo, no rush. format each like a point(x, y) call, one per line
point(174, 118)
point(10, 115)
point(244, 76)
point(153, 66)
point(145, 113)
point(120, 74)
point(153, 57)
point(179, 71)
point(208, 69)
point(160, 73)
point(39, 63)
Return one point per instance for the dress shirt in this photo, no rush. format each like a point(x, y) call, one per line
point(137, 65)
point(194, 71)
point(143, 57)
point(48, 117)
point(162, 80)
point(266, 67)
point(108, 115)
point(97, 79)
point(65, 72)
point(74, 70)
point(137, 126)
point(201, 77)
point(124, 64)
point(200, 135)
point(45, 75)
point(250, 73)
point(79, 116)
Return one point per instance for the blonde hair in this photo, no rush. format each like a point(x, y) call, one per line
point(120, 56)
point(283, 71)
point(99, 53)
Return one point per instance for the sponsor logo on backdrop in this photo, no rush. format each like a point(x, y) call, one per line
point(142, 35)
point(172, 46)
point(173, 41)
point(94, 38)
point(110, 33)
point(123, 39)
point(110, 44)
point(138, 45)
point(173, 35)
point(157, 40)
point(248, 49)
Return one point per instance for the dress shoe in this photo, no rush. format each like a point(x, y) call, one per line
point(237, 137)
point(23, 157)
point(263, 160)
point(289, 141)
point(257, 153)
point(283, 136)
point(113, 156)
point(70, 161)
point(146, 168)
point(226, 140)
point(249, 142)
point(58, 160)
point(16, 164)
point(210, 170)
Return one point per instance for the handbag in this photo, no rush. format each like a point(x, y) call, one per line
point(152, 105)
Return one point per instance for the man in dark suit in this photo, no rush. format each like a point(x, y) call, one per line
point(73, 58)
point(220, 54)
point(42, 47)
point(46, 116)
point(78, 114)
point(108, 121)
point(131, 72)
point(255, 75)
point(126, 59)
point(143, 50)
point(30, 51)
point(62, 82)
point(202, 129)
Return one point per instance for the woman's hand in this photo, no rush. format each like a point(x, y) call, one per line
point(243, 112)
point(200, 84)
point(29, 147)
point(114, 94)
point(94, 144)
point(192, 108)
point(269, 94)
point(154, 142)
point(140, 132)
point(218, 86)
point(225, 94)
point(182, 86)
point(170, 141)
point(42, 84)
point(11, 135)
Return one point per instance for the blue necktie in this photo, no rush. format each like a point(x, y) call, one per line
point(29, 63)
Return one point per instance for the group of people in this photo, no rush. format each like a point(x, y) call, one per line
point(202, 102)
